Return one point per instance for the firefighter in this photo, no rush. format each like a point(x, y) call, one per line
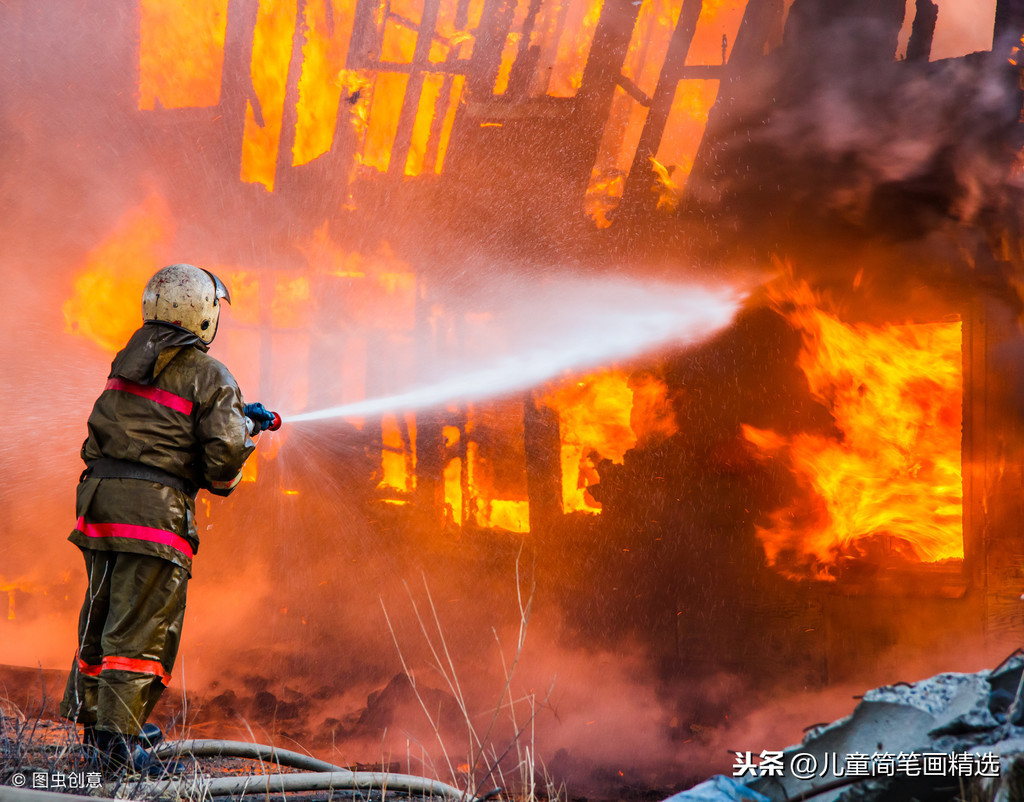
point(170, 422)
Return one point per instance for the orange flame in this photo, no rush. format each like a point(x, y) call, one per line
point(385, 107)
point(321, 86)
point(684, 130)
point(398, 458)
point(573, 47)
point(594, 423)
point(106, 304)
point(181, 52)
point(891, 480)
point(271, 55)
point(691, 104)
point(453, 476)
point(11, 587)
point(513, 516)
point(511, 47)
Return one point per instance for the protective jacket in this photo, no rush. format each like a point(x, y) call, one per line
point(169, 422)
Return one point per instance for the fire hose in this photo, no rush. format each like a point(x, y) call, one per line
point(220, 748)
point(320, 775)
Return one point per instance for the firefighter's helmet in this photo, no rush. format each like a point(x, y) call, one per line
point(185, 296)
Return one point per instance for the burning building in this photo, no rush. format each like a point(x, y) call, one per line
point(403, 194)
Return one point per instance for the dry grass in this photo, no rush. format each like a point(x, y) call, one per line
point(509, 765)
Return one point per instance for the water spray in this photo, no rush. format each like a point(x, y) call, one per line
point(547, 330)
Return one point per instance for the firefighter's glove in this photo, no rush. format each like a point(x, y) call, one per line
point(260, 416)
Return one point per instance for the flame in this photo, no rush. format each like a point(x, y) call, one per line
point(691, 104)
point(388, 93)
point(454, 99)
point(891, 479)
point(356, 85)
point(251, 470)
point(580, 22)
point(245, 295)
point(652, 417)
point(328, 29)
point(440, 97)
point(382, 293)
point(453, 476)
point(13, 586)
point(510, 50)
point(181, 52)
point(603, 195)
point(684, 130)
point(451, 41)
point(716, 31)
point(513, 516)
point(271, 55)
point(105, 305)
point(648, 47)
point(494, 481)
point(594, 423)
point(398, 457)
point(668, 190)
point(290, 302)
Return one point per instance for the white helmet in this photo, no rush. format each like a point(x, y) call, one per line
point(185, 296)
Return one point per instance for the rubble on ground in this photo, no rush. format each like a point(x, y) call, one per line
point(951, 736)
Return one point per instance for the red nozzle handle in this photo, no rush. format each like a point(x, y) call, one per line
point(277, 422)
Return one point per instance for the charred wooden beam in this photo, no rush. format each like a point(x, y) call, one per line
point(430, 470)
point(290, 112)
point(634, 91)
point(413, 90)
point(437, 124)
point(430, 451)
point(601, 76)
point(543, 463)
point(637, 197)
point(364, 44)
point(526, 57)
point(236, 74)
point(492, 32)
point(922, 32)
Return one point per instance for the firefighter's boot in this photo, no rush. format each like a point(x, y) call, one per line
point(123, 753)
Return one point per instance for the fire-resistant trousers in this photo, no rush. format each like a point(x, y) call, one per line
point(128, 635)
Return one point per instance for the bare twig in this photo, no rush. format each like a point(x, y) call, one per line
point(481, 750)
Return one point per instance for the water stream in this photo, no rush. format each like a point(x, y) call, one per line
point(541, 333)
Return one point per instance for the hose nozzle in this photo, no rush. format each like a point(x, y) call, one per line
point(255, 428)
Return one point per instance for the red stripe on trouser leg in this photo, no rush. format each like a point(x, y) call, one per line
point(138, 666)
point(87, 669)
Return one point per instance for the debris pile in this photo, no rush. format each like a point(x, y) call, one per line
point(951, 736)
